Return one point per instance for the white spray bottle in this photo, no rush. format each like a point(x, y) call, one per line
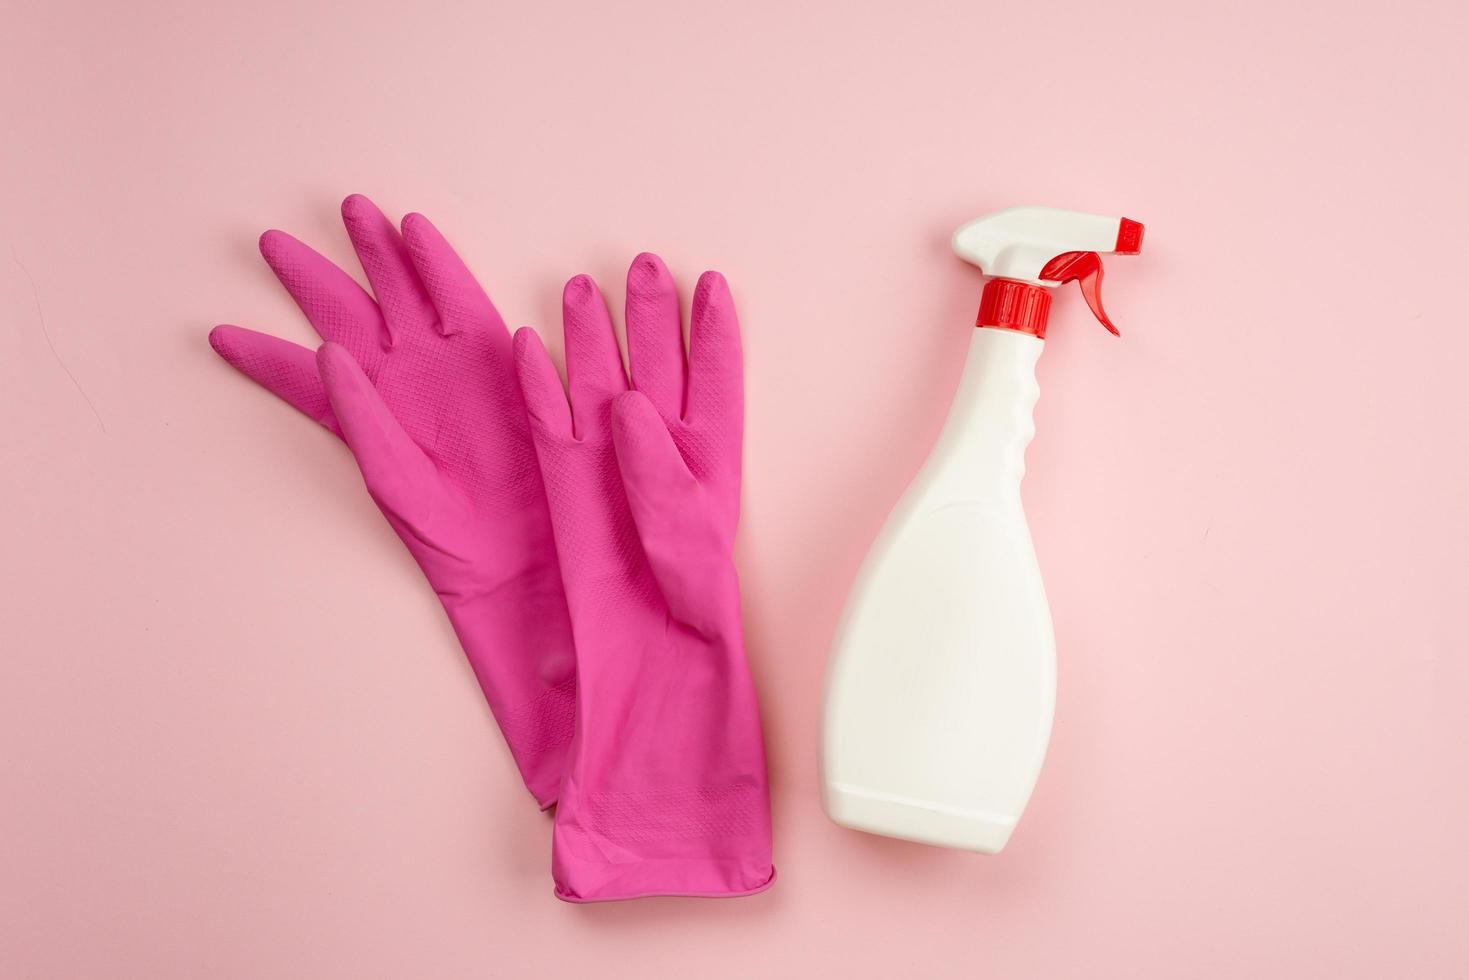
point(942, 681)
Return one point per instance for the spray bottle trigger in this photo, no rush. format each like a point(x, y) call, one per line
point(1086, 268)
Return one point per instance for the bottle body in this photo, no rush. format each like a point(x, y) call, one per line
point(941, 687)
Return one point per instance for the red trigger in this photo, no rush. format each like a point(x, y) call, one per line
point(1086, 267)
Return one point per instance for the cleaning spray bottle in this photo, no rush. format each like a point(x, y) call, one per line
point(943, 676)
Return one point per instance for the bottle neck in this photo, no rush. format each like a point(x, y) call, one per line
point(981, 447)
point(1009, 304)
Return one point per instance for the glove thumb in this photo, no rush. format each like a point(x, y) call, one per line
point(395, 469)
point(688, 553)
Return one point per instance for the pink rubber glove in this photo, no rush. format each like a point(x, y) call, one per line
point(665, 790)
point(420, 385)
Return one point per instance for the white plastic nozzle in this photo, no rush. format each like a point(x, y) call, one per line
point(1018, 243)
point(1022, 249)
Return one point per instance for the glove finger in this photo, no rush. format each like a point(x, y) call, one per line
point(395, 469)
point(286, 370)
point(456, 297)
point(687, 553)
point(338, 308)
point(716, 369)
point(404, 302)
point(540, 386)
point(594, 371)
point(655, 352)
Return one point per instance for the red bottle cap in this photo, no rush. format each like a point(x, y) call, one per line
point(1011, 305)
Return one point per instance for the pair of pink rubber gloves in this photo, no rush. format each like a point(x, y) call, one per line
point(582, 551)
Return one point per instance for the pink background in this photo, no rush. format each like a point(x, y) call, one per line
point(236, 736)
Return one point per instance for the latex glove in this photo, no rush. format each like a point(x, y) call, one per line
point(420, 384)
point(665, 790)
